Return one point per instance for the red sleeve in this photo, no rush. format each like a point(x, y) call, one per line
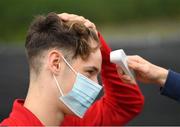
point(120, 103)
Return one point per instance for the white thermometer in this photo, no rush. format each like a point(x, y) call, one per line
point(119, 57)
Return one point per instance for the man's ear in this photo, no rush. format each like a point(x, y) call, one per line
point(54, 61)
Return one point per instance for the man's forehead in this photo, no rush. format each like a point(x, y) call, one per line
point(95, 60)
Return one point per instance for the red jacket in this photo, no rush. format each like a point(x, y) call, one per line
point(120, 103)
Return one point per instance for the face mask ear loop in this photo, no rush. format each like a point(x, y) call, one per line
point(58, 85)
point(69, 65)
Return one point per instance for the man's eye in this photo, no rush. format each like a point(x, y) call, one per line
point(90, 72)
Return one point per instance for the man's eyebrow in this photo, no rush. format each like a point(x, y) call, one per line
point(92, 68)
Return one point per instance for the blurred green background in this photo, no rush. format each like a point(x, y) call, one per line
point(115, 18)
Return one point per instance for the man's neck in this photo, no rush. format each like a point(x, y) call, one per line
point(42, 102)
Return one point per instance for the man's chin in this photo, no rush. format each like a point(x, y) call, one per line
point(65, 109)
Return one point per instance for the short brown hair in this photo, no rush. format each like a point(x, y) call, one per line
point(51, 32)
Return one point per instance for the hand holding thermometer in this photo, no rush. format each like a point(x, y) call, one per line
point(119, 57)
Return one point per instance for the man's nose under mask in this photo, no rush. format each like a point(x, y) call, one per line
point(82, 95)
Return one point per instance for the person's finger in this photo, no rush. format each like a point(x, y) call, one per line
point(136, 66)
point(73, 17)
point(119, 70)
point(64, 16)
point(136, 58)
point(76, 18)
point(128, 82)
point(89, 24)
point(127, 79)
point(67, 17)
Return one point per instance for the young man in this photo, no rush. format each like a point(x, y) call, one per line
point(56, 51)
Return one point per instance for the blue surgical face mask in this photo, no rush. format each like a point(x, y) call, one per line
point(82, 95)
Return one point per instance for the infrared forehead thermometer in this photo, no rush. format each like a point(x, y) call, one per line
point(119, 57)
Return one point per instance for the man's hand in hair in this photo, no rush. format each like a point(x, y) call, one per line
point(72, 17)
